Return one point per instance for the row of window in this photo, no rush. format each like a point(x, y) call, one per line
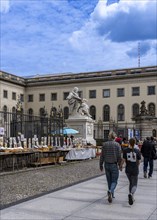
point(106, 111)
point(14, 95)
point(92, 94)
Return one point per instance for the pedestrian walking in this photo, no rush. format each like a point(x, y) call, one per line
point(147, 150)
point(110, 160)
point(132, 157)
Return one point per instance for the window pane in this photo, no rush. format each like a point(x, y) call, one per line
point(65, 95)
point(135, 110)
point(151, 90)
point(135, 91)
point(22, 97)
point(92, 94)
point(106, 93)
point(41, 97)
point(30, 98)
point(5, 94)
point(106, 113)
point(120, 92)
point(13, 95)
point(53, 96)
point(121, 112)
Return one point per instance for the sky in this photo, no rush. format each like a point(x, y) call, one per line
point(75, 36)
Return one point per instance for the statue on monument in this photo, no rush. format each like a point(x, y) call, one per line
point(77, 104)
point(143, 110)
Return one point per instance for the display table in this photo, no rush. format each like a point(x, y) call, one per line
point(81, 154)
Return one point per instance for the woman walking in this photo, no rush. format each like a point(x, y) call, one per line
point(132, 157)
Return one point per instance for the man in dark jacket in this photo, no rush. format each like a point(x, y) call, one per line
point(147, 150)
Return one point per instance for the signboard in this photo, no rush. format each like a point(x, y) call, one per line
point(2, 131)
point(130, 133)
point(137, 134)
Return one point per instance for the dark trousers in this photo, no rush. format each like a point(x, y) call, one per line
point(148, 161)
point(133, 179)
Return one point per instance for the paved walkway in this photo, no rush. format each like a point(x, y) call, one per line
point(88, 201)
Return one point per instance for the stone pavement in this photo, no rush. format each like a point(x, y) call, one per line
point(88, 201)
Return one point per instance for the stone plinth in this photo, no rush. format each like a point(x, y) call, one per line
point(85, 126)
point(146, 124)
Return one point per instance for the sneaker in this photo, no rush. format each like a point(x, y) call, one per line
point(145, 175)
point(130, 198)
point(149, 176)
point(109, 197)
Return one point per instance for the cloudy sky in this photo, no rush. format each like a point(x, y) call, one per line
point(59, 36)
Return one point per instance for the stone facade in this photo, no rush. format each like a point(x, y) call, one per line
point(105, 84)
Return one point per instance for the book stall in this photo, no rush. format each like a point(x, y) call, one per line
point(20, 152)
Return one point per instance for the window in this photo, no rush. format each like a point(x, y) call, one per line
point(106, 111)
point(30, 98)
point(135, 91)
point(106, 93)
point(120, 112)
point(5, 112)
point(135, 110)
point(53, 96)
point(92, 112)
point(30, 113)
point(80, 93)
point(41, 97)
point(22, 97)
point(92, 94)
point(13, 95)
point(106, 133)
point(151, 109)
point(65, 95)
point(151, 90)
point(120, 92)
point(5, 94)
point(66, 112)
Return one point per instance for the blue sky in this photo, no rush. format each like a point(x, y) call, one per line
point(60, 36)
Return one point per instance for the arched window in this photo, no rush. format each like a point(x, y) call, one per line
point(135, 110)
point(30, 113)
point(154, 134)
point(42, 112)
point(13, 113)
point(120, 112)
point(13, 110)
point(151, 109)
point(92, 112)
point(5, 112)
point(66, 112)
point(106, 113)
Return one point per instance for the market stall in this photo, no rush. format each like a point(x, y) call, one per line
point(81, 154)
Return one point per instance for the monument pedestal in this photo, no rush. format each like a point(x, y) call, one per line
point(85, 126)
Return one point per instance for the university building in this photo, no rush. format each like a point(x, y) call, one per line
point(114, 96)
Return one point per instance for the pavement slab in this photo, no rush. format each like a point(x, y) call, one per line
point(88, 201)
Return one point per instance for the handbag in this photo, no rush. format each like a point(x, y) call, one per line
point(154, 155)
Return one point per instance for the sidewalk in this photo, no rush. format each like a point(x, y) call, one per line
point(88, 201)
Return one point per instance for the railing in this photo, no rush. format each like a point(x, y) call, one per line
point(27, 127)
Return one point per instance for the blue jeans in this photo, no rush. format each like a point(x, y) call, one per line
point(148, 161)
point(112, 174)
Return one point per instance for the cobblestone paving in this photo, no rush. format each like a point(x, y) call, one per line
point(15, 186)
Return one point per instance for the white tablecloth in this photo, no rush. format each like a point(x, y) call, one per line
point(81, 154)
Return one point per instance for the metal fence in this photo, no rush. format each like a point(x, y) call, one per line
point(17, 123)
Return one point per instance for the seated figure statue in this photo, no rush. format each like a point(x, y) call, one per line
point(84, 108)
point(73, 101)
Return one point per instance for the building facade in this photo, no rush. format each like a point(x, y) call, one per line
point(114, 96)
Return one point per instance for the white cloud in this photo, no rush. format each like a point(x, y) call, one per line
point(4, 6)
point(73, 36)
